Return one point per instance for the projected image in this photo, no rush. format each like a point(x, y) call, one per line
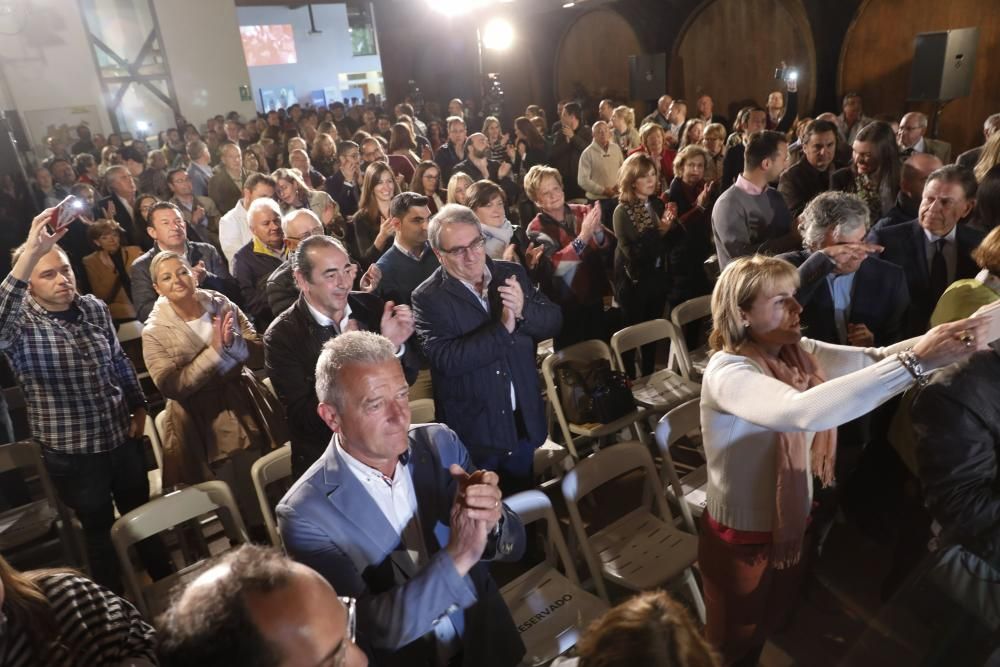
point(268, 44)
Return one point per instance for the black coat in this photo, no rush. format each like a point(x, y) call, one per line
point(135, 229)
point(905, 247)
point(474, 359)
point(292, 345)
point(346, 195)
point(957, 422)
point(879, 298)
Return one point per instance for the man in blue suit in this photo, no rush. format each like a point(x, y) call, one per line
point(391, 516)
point(933, 250)
point(479, 322)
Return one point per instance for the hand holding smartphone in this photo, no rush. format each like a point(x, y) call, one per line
point(68, 210)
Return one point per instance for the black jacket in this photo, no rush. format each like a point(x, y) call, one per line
point(905, 247)
point(135, 230)
point(565, 156)
point(251, 270)
point(281, 289)
point(446, 158)
point(879, 298)
point(801, 182)
point(346, 195)
point(474, 360)
point(957, 422)
point(291, 348)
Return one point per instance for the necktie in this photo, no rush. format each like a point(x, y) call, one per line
point(939, 272)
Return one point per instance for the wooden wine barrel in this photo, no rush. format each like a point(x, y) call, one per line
point(593, 55)
point(729, 49)
point(878, 51)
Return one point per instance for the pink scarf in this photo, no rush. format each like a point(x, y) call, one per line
point(799, 369)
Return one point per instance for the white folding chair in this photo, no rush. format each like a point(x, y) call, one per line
point(689, 491)
point(572, 433)
point(664, 389)
point(422, 411)
point(269, 469)
point(165, 513)
point(549, 607)
point(270, 386)
point(692, 362)
point(30, 530)
point(639, 550)
point(155, 476)
point(129, 331)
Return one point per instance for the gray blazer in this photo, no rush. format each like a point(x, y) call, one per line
point(329, 522)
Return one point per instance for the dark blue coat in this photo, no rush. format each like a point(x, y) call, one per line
point(474, 360)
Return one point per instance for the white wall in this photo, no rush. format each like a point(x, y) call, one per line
point(320, 57)
point(202, 41)
point(49, 68)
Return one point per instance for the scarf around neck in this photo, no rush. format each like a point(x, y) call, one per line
point(800, 370)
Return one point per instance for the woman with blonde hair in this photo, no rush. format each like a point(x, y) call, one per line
point(989, 158)
point(457, 186)
point(292, 193)
point(770, 406)
point(497, 140)
point(648, 630)
point(653, 142)
point(623, 129)
point(199, 347)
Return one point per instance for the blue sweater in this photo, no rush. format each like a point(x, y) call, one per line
point(401, 274)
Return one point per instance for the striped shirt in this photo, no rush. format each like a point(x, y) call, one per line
point(79, 386)
point(96, 628)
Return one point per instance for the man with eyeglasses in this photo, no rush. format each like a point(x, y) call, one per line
point(254, 606)
point(325, 308)
point(479, 321)
point(257, 260)
point(371, 151)
point(397, 515)
point(169, 232)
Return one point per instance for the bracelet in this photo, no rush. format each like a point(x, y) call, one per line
point(912, 364)
point(579, 245)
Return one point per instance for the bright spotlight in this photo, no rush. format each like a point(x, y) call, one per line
point(498, 34)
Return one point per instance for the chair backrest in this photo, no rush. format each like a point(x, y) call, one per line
point(270, 386)
point(595, 471)
point(682, 420)
point(587, 350)
point(265, 471)
point(129, 331)
point(151, 431)
point(169, 511)
point(691, 310)
point(532, 506)
point(422, 411)
point(637, 335)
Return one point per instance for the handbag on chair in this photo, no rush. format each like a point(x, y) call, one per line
point(590, 391)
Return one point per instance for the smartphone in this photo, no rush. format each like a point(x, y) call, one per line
point(68, 210)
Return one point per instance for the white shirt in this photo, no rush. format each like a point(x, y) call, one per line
point(202, 328)
point(325, 321)
point(950, 251)
point(396, 498)
point(234, 231)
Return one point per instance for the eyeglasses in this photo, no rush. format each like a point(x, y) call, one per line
point(338, 658)
point(467, 251)
point(315, 231)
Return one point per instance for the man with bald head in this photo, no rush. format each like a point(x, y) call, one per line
point(298, 158)
point(257, 260)
point(912, 178)
point(254, 606)
point(478, 165)
point(298, 225)
point(597, 173)
point(911, 138)
point(660, 116)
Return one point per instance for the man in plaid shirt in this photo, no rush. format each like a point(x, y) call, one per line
point(85, 405)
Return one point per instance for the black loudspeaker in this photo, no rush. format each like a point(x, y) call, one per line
point(943, 64)
point(647, 76)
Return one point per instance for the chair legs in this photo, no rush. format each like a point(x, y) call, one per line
point(692, 585)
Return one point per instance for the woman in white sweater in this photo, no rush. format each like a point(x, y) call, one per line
point(771, 404)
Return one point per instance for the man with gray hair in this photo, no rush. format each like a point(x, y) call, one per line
point(969, 158)
point(479, 321)
point(396, 516)
point(912, 140)
point(254, 262)
point(847, 296)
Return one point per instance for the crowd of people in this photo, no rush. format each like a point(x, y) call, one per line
point(361, 258)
